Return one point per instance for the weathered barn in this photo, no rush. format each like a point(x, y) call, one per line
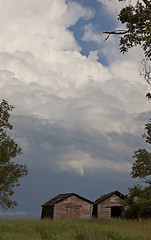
point(109, 205)
point(69, 205)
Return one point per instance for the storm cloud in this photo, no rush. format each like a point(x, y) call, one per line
point(72, 114)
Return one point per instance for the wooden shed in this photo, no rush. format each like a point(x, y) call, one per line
point(109, 205)
point(68, 205)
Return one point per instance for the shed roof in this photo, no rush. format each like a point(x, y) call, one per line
point(61, 197)
point(106, 196)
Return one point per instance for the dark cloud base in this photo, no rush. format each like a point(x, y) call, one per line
point(46, 180)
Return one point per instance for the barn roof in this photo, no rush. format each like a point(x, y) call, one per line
point(106, 196)
point(61, 197)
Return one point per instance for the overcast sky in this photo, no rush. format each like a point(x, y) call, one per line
point(80, 106)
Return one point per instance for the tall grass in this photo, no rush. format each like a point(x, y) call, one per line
point(75, 229)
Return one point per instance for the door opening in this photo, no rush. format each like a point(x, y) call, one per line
point(116, 211)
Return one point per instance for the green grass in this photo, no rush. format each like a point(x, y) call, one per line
point(78, 229)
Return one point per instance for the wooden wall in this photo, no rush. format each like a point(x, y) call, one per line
point(105, 208)
point(72, 207)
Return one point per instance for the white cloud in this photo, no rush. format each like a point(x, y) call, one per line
point(113, 7)
point(81, 162)
point(91, 35)
point(39, 26)
point(93, 55)
point(67, 104)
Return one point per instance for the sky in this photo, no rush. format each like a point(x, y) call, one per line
point(80, 106)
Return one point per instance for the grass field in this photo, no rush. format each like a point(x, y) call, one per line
point(78, 229)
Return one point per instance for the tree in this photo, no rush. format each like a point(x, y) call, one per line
point(139, 198)
point(142, 166)
point(137, 21)
point(10, 172)
point(138, 202)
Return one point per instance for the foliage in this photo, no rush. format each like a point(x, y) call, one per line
point(142, 166)
point(10, 172)
point(139, 198)
point(139, 202)
point(138, 28)
point(75, 229)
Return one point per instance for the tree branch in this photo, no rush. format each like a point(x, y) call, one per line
point(115, 32)
point(147, 180)
point(146, 71)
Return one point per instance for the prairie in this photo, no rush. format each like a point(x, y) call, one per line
point(75, 229)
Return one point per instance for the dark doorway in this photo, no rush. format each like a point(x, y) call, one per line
point(95, 211)
point(47, 212)
point(116, 211)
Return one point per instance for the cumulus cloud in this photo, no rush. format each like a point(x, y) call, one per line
point(72, 113)
point(39, 26)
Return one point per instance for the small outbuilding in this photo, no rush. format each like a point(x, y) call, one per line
point(68, 205)
point(109, 205)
